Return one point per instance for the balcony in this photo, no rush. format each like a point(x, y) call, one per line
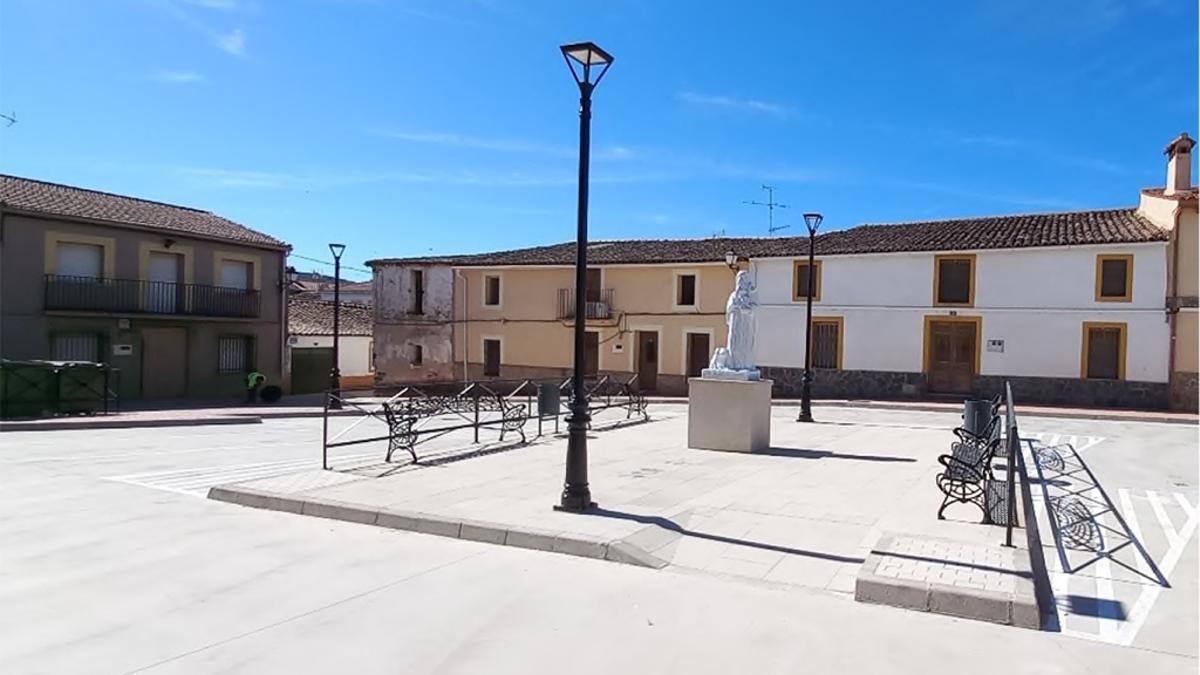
point(134, 296)
point(598, 307)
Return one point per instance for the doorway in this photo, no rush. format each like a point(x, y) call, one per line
point(697, 353)
point(164, 288)
point(647, 360)
point(591, 353)
point(953, 352)
point(164, 363)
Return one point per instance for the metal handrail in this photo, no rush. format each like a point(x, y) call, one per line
point(141, 296)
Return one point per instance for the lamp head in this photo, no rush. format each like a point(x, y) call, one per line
point(813, 221)
point(581, 57)
point(337, 250)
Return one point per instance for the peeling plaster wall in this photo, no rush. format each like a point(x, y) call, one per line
point(398, 330)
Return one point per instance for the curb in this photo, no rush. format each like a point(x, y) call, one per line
point(619, 551)
point(1018, 608)
point(115, 423)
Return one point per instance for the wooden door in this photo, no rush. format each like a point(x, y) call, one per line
point(697, 353)
point(491, 358)
point(647, 360)
point(310, 369)
point(164, 362)
point(591, 353)
point(952, 352)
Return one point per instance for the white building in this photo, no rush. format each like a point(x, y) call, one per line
point(310, 345)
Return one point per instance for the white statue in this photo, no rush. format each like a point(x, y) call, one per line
point(736, 362)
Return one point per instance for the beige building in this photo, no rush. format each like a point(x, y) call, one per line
point(182, 301)
point(1174, 208)
point(654, 308)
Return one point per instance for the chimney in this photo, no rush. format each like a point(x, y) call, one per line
point(1179, 164)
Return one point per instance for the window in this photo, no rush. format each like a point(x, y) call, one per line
point(75, 347)
point(371, 356)
point(79, 260)
point(236, 274)
point(1114, 278)
point(954, 280)
point(827, 343)
point(1104, 351)
point(235, 354)
point(417, 355)
point(800, 281)
point(491, 358)
point(418, 292)
point(491, 290)
point(685, 290)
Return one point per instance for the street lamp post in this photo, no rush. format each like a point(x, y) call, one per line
point(581, 58)
point(812, 221)
point(335, 373)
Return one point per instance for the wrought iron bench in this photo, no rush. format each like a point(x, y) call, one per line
point(403, 420)
point(966, 472)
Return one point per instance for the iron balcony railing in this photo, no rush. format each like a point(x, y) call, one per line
point(136, 296)
point(599, 306)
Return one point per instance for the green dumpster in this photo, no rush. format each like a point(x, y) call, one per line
point(80, 387)
point(26, 388)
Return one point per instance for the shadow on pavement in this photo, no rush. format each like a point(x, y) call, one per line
point(670, 525)
point(805, 453)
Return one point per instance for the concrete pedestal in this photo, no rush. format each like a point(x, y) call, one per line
point(731, 415)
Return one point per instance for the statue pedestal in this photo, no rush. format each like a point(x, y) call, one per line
point(732, 415)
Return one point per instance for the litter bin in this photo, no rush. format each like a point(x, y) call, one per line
point(977, 413)
point(26, 388)
point(80, 387)
point(549, 399)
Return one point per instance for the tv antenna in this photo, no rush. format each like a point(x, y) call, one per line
point(771, 205)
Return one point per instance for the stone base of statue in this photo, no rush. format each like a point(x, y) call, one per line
point(729, 414)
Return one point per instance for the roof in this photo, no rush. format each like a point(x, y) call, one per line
point(25, 194)
point(1072, 228)
point(312, 316)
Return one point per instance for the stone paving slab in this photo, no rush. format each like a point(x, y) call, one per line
point(972, 581)
point(805, 513)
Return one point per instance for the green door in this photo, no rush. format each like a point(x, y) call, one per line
point(310, 370)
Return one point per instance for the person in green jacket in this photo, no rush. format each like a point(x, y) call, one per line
point(254, 380)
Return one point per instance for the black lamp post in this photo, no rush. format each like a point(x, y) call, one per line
point(581, 58)
point(335, 373)
point(812, 221)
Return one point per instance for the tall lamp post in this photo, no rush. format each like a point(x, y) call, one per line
point(335, 373)
point(812, 221)
point(584, 59)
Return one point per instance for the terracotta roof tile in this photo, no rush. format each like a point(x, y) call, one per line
point(1108, 226)
point(312, 316)
point(25, 194)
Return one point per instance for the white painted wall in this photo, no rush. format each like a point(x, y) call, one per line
point(354, 351)
point(1036, 300)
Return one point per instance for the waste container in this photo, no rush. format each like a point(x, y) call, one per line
point(549, 399)
point(977, 413)
point(79, 387)
point(26, 388)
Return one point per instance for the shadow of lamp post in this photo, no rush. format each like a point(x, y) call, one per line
point(584, 59)
point(335, 373)
point(812, 221)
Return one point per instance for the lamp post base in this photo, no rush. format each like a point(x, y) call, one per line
point(575, 505)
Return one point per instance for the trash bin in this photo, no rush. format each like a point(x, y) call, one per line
point(549, 399)
point(79, 387)
point(977, 413)
point(26, 388)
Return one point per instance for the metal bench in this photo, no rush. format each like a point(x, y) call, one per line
point(967, 470)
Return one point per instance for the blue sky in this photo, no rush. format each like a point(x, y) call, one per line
point(413, 127)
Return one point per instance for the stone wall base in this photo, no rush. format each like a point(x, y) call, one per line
point(1184, 394)
point(874, 384)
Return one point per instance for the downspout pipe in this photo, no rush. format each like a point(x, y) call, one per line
point(466, 324)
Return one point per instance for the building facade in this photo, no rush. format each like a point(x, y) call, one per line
point(310, 345)
point(183, 302)
point(1094, 307)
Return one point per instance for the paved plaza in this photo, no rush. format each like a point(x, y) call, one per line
point(115, 561)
